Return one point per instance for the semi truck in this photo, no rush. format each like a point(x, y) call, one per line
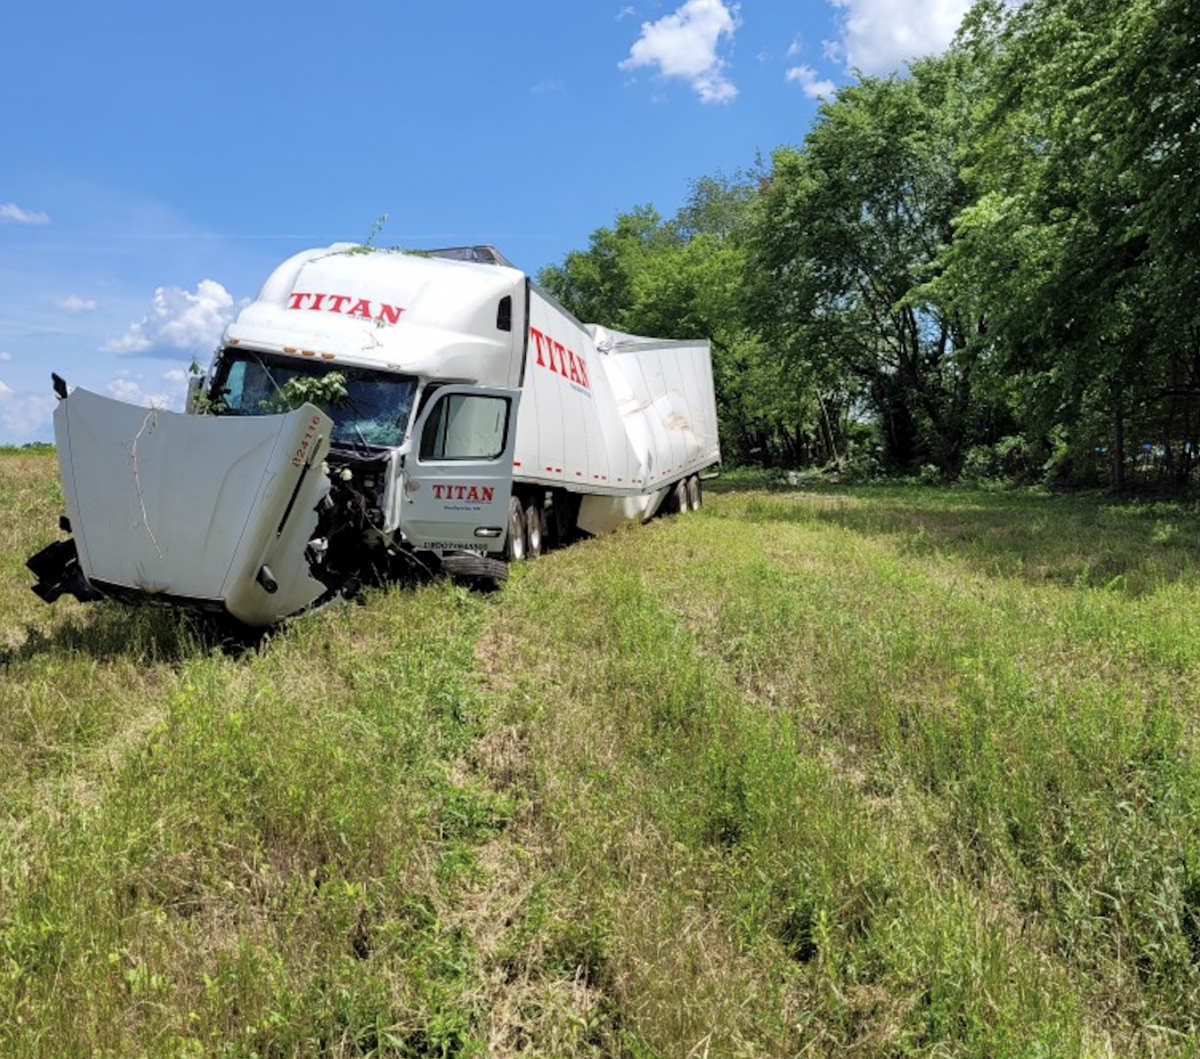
point(374, 412)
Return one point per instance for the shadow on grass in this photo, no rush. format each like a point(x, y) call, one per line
point(107, 631)
point(1085, 540)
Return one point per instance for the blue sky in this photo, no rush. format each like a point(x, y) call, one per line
point(157, 161)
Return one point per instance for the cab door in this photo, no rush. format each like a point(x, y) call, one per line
point(457, 478)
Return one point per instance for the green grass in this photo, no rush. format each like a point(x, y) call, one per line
point(891, 771)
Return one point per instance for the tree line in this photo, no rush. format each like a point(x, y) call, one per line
point(985, 267)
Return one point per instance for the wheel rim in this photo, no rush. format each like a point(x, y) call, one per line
point(516, 533)
point(533, 531)
point(681, 498)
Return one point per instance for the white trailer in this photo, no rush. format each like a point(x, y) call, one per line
point(373, 411)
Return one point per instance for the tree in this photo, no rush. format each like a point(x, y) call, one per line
point(687, 278)
point(1081, 239)
point(847, 232)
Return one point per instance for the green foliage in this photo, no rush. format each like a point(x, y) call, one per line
point(324, 391)
point(1078, 150)
point(689, 278)
point(1001, 243)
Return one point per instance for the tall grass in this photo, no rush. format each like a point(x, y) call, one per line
point(889, 772)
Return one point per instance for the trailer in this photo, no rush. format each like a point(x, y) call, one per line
point(374, 412)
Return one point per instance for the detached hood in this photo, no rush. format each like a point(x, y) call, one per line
point(208, 510)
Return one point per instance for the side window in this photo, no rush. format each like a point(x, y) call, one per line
point(465, 426)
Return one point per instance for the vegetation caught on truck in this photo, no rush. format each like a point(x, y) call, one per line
point(375, 413)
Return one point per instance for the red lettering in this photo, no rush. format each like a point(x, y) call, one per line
point(298, 458)
point(560, 360)
point(479, 494)
point(362, 308)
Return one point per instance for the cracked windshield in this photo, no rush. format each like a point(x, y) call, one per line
point(368, 408)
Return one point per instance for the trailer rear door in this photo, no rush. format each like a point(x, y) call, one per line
point(457, 479)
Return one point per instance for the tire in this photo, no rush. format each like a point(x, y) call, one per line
point(679, 497)
point(514, 547)
point(475, 569)
point(695, 493)
point(564, 509)
point(535, 530)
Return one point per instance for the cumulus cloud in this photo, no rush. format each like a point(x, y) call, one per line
point(74, 304)
point(879, 36)
point(24, 415)
point(178, 321)
point(685, 45)
point(10, 211)
point(814, 85)
point(134, 389)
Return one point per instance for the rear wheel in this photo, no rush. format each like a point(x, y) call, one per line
point(514, 547)
point(695, 493)
point(680, 497)
point(535, 530)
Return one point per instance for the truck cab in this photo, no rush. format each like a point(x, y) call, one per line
point(371, 412)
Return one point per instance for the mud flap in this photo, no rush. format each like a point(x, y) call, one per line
point(58, 572)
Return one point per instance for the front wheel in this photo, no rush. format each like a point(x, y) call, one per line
point(514, 547)
point(695, 493)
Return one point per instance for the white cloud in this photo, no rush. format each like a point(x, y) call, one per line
point(178, 321)
point(74, 304)
point(814, 86)
point(10, 211)
point(684, 44)
point(879, 36)
point(132, 389)
point(23, 415)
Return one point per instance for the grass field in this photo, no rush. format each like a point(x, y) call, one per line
point(892, 771)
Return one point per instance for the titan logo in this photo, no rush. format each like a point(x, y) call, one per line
point(481, 494)
point(362, 308)
point(560, 360)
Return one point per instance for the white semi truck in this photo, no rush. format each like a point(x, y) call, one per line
point(374, 411)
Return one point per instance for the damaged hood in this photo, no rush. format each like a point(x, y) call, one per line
point(190, 508)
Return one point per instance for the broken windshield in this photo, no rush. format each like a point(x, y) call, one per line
point(368, 407)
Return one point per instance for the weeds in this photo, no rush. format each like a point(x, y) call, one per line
point(887, 772)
